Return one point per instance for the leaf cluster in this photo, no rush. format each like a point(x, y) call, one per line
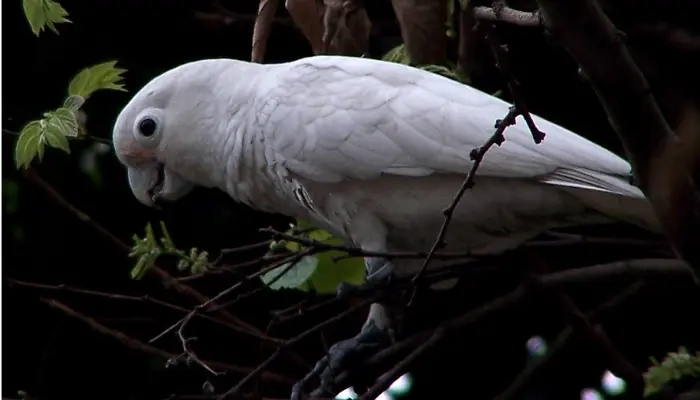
point(44, 13)
point(674, 367)
point(148, 249)
point(399, 55)
point(58, 125)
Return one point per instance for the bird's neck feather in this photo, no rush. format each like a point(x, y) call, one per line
point(237, 144)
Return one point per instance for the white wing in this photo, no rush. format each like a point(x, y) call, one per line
point(333, 118)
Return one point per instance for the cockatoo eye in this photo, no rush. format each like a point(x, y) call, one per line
point(148, 127)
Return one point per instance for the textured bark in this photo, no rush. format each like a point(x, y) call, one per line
point(262, 28)
point(658, 156)
point(423, 29)
point(308, 17)
point(346, 28)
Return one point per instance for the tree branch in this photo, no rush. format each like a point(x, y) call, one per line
point(262, 29)
point(660, 165)
point(138, 345)
point(508, 15)
point(122, 297)
point(417, 342)
point(163, 275)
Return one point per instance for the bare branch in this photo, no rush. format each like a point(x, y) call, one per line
point(660, 165)
point(234, 390)
point(561, 340)
point(262, 28)
point(477, 155)
point(162, 274)
point(508, 15)
point(138, 345)
point(122, 297)
point(317, 246)
point(631, 268)
point(210, 305)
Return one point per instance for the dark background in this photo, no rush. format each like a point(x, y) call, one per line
point(51, 355)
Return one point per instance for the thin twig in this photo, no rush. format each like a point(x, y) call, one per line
point(358, 252)
point(234, 390)
point(241, 249)
point(477, 155)
point(203, 306)
point(536, 365)
point(90, 138)
point(185, 342)
point(140, 346)
point(167, 279)
point(500, 53)
point(122, 297)
point(636, 268)
point(617, 362)
point(436, 335)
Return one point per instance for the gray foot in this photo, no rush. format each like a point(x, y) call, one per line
point(342, 356)
point(380, 272)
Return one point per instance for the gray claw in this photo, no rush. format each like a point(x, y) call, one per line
point(342, 356)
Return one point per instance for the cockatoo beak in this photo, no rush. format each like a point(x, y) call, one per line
point(154, 183)
point(145, 181)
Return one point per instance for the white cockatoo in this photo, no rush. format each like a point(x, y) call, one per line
point(371, 151)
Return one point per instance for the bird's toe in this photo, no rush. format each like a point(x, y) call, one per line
point(343, 356)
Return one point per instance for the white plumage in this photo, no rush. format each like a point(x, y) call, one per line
point(369, 150)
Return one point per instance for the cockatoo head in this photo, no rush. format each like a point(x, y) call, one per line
point(166, 135)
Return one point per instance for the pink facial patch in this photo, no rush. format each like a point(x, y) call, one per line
point(131, 151)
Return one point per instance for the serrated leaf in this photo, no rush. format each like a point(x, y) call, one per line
point(63, 121)
point(55, 138)
point(44, 13)
point(294, 277)
point(74, 102)
point(98, 77)
point(28, 144)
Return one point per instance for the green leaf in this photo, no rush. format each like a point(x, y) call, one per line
point(62, 121)
point(44, 13)
point(397, 55)
point(98, 77)
point(331, 268)
point(74, 102)
point(54, 130)
point(294, 277)
point(675, 366)
point(27, 145)
point(331, 271)
point(147, 249)
point(167, 240)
